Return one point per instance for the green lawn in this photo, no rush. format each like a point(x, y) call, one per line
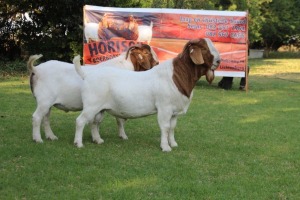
point(232, 145)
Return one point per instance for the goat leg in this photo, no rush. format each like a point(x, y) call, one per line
point(121, 123)
point(171, 138)
point(164, 123)
point(95, 129)
point(37, 118)
point(48, 131)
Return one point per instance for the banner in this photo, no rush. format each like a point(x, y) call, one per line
point(111, 31)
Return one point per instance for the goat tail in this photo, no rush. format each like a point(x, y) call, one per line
point(76, 62)
point(31, 61)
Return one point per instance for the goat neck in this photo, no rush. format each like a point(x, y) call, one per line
point(186, 73)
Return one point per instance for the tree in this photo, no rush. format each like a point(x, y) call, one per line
point(55, 29)
point(48, 27)
point(281, 21)
point(9, 46)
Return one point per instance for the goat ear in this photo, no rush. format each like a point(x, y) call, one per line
point(135, 62)
point(196, 55)
point(129, 51)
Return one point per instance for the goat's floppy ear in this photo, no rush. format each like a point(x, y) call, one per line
point(196, 55)
point(129, 50)
point(142, 62)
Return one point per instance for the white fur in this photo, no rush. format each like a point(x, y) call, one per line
point(57, 84)
point(128, 94)
point(145, 33)
point(91, 31)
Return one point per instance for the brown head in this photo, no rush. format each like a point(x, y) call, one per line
point(195, 60)
point(197, 51)
point(142, 57)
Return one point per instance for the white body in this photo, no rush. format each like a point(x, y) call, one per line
point(127, 94)
point(131, 95)
point(57, 84)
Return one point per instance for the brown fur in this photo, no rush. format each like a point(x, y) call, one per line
point(186, 73)
point(141, 64)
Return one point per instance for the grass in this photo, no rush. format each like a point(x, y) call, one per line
point(232, 145)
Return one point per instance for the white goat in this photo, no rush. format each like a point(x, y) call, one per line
point(145, 33)
point(56, 83)
point(165, 90)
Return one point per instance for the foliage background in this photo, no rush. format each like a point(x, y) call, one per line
point(56, 27)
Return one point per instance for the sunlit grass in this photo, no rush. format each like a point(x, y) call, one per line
point(287, 69)
point(232, 145)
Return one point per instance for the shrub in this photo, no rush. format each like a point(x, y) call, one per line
point(276, 54)
point(17, 67)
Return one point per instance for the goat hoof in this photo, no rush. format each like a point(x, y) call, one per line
point(52, 137)
point(38, 140)
point(78, 145)
point(98, 141)
point(124, 137)
point(166, 148)
point(174, 144)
